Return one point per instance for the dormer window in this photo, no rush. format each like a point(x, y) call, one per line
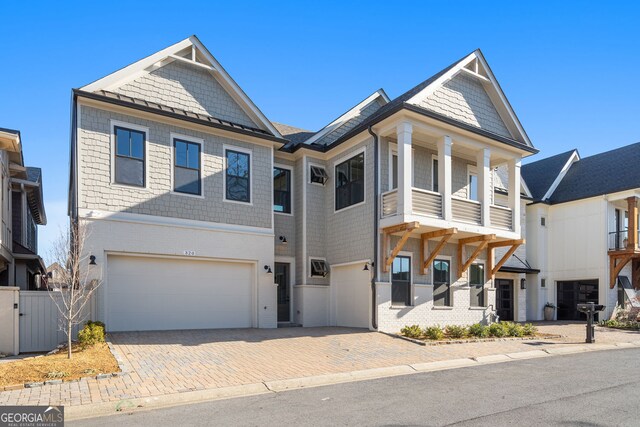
point(318, 175)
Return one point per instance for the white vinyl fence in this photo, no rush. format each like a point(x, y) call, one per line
point(39, 321)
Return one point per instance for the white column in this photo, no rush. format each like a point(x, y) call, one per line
point(483, 161)
point(514, 192)
point(405, 168)
point(444, 175)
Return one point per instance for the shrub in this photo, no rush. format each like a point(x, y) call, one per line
point(514, 329)
point(455, 332)
point(529, 329)
point(434, 332)
point(479, 330)
point(412, 331)
point(497, 330)
point(91, 334)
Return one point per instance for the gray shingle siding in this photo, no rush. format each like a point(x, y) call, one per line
point(283, 224)
point(97, 191)
point(463, 98)
point(299, 215)
point(189, 88)
point(316, 222)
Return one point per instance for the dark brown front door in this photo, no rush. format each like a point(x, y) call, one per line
point(284, 299)
point(504, 299)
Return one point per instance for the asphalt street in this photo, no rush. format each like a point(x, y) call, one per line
point(589, 389)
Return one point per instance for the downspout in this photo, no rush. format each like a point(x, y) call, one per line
point(374, 265)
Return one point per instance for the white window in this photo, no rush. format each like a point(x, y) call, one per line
point(187, 165)
point(472, 182)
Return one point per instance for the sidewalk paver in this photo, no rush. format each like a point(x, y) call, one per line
point(172, 362)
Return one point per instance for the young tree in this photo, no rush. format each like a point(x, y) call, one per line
point(75, 281)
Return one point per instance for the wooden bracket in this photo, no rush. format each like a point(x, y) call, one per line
point(616, 268)
point(484, 242)
point(406, 228)
point(446, 234)
point(514, 246)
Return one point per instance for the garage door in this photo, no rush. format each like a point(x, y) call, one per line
point(352, 290)
point(145, 294)
point(572, 293)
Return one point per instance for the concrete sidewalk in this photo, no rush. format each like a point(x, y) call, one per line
point(183, 365)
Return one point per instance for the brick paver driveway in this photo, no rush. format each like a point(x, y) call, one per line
point(178, 361)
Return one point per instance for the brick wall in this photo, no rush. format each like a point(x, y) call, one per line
point(97, 191)
point(188, 88)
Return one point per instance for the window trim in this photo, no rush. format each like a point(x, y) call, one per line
point(225, 148)
point(341, 160)
point(432, 268)
point(290, 169)
point(484, 284)
point(317, 258)
point(113, 124)
point(193, 140)
point(393, 151)
point(472, 170)
point(411, 287)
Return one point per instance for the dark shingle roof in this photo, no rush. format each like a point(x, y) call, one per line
point(540, 175)
point(292, 133)
point(34, 174)
point(604, 173)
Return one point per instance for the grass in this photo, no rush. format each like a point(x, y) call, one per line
point(91, 361)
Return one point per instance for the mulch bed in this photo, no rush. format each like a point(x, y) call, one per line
point(446, 341)
point(90, 362)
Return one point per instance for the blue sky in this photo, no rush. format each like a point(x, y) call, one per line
point(568, 68)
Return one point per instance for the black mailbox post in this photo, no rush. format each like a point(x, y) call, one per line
point(590, 310)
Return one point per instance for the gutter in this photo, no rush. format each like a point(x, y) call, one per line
point(374, 266)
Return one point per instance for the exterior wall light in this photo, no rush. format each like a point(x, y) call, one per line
point(523, 283)
point(268, 269)
point(367, 264)
point(283, 240)
point(92, 260)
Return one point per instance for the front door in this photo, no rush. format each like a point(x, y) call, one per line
point(504, 299)
point(284, 299)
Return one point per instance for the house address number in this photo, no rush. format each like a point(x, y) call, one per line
point(189, 253)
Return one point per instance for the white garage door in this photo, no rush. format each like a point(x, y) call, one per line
point(352, 290)
point(144, 294)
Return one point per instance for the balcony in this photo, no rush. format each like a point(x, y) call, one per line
point(619, 241)
point(428, 204)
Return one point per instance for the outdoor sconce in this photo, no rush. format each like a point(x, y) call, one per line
point(523, 283)
point(283, 240)
point(268, 269)
point(92, 260)
point(366, 266)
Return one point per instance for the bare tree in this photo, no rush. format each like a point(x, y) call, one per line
point(75, 281)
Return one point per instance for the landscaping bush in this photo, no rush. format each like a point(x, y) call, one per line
point(529, 329)
point(91, 334)
point(434, 332)
point(455, 332)
point(497, 330)
point(513, 329)
point(413, 331)
point(479, 330)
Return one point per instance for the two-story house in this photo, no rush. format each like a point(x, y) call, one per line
point(22, 210)
point(202, 213)
point(583, 230)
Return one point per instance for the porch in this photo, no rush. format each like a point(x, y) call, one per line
point(623, 241)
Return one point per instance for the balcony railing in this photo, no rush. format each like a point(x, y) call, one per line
point(427, 202)
point(618, 240)
point(389, 203)
point(501, 217)
point(466, 210)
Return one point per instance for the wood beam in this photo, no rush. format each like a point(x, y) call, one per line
point(632, 234)
point(438, 233)
point(434, 253)
point(490, 258)
point(476, 239)
point(506, 256)
point(517, 242)
point(617, 267)
point(407, 227)
point(482, 246)
point(401, 227)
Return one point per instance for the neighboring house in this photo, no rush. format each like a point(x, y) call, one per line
point(22, 211)
point(398, 212)
point(582, 230)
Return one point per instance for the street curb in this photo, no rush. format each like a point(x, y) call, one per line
point(164, 401)
point(278, 386)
